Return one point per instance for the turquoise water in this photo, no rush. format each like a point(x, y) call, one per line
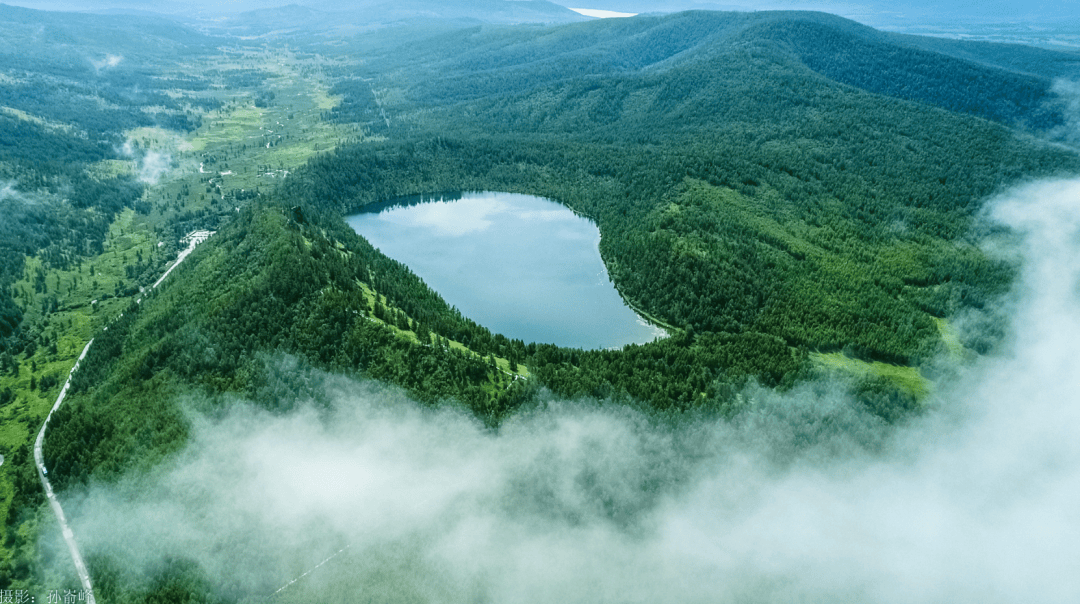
point(523, 266)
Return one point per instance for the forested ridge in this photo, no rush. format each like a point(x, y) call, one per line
point(1006, 83)
point(762, 209)
point(794, 174)
point(768, 185)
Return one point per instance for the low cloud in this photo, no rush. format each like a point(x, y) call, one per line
point(150, 165)
point(801, 497)
point(108, 62)
point(153, 166)
point(1067, 100)
point(8, 191)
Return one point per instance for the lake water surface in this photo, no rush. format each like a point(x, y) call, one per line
point(523, 266)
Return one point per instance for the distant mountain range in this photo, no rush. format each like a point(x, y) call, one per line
point(1004, 83)
point(924, 10)
point(873, 12)
point(324, 17)
point(256, 14)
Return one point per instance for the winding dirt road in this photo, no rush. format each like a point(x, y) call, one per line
point(194, 238)
point(43, 474)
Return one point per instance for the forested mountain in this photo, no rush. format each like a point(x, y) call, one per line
point(36, 33)
point(331, 20)
point(747, 199)
point(689, 136)
point(771, 187)
point(917, 11)
point(1003, 83)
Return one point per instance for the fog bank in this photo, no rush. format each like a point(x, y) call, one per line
point(801, 497)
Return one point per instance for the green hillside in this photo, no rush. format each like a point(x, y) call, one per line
point(792, 194)
point(738, 188)
point(998, 82)
point(763, 209)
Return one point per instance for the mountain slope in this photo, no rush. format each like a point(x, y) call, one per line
point(879, 64)
point(992, 81)
point(27, 31)
point(834, 193)
point(267, 284)
point(71, 89)
point(324, 19)
point(757, 186)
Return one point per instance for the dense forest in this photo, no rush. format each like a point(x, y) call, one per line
point(765, 213)
point(737, 188)
point(769, 187)
point(1009, 84)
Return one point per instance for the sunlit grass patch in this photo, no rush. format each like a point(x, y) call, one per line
point(227, 125)
point(324, 101)
point(908, 379)
point(40, 121)
point(951, 338)
point(107, 169)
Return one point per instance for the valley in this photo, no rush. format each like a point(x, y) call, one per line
point(69, 303)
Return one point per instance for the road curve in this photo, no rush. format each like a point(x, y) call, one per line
point(193, 239)
point(39, 461)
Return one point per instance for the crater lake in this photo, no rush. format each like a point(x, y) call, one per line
point(523, 266)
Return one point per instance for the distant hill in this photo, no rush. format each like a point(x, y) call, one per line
point(258, 17)
point(1004, 83)
point(24, 31)
point(482, 11)
point(321, 18)
point(880, 12)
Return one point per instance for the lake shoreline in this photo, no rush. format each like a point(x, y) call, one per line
point(524, 266)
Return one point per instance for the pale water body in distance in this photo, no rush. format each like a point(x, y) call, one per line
point(523, 266)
